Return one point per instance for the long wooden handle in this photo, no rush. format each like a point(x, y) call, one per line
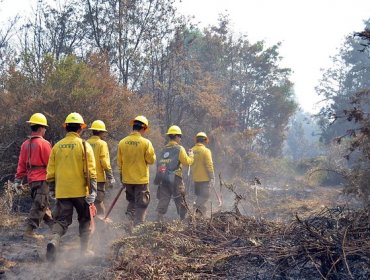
point(114, 202)
point(218, 197)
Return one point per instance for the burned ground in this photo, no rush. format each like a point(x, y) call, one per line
point(303, 233)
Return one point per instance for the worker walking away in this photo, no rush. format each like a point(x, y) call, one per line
point(33, 159)
point(169, 174)
point(135, 154)
point(104, 171)
point(202, 173)
point(67, 177)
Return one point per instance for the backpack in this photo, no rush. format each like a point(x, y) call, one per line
point(167, 164)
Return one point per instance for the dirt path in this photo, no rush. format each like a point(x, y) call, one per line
point(25, 258)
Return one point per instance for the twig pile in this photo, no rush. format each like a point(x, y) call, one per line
point(12, 204)
point(331, 244)
point(6, 200)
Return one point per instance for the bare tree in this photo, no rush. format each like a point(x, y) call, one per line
point(125, 29)
point(54, 31)
point(6, 52)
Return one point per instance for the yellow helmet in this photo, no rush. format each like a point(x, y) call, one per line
point(174, 130)
point(202, 134)
point(141, 119)
point(98, 125)
point(38, 118)
point(75, 118)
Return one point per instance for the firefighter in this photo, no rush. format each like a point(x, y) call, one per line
point(169, 174)
point(203, 173)
point(102, 160)
point(66, 176)
point(135, 154)
point(33, 159)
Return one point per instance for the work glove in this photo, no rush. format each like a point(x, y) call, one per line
point(182, 189)
point(91, 197)
point(17, 186)
point(52, 195)
point(110, 178)
point(212, 182)
point(191, 153)
point(51, 186)
point(111, 183)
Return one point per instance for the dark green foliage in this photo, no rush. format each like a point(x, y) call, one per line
point(348, 109)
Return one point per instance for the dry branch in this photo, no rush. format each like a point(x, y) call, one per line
point(331, 244)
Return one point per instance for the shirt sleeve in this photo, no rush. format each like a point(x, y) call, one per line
point(91, 161)
point(209, 164)
point(46, 151)
point(184, 158)
point(150, 156)
point(50, 176)
point(119, 158)
point(104, 157)
point(22, 162)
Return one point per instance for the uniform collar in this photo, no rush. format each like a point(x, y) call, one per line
point(35, 135)
point(172, 143)
point(95, 137)
point(135, 133)
point(199, 144)
point(74, 134)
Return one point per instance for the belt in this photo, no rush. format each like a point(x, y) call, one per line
point(37, 167)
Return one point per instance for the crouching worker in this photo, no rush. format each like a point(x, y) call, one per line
point(169, 174)
point(33, 159)
point(104, 171)
point(66, 176)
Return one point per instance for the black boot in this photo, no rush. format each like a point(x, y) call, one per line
point(52, 247)
point(30, 234)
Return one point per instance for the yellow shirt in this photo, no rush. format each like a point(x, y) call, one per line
point(135, 154)
point(184, 159)
point(66, 167)
point(102, 159)
point(202, 167)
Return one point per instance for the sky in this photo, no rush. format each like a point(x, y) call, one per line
point(310, 31)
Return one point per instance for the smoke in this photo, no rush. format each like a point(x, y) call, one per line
point(70, 263)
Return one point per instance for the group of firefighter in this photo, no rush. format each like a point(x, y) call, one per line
point(74, 174)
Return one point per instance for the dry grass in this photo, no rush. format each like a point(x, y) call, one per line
point(322, 242)
point(329, 244)
point(5, 265)
point(9, 204)
point(306, 239)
